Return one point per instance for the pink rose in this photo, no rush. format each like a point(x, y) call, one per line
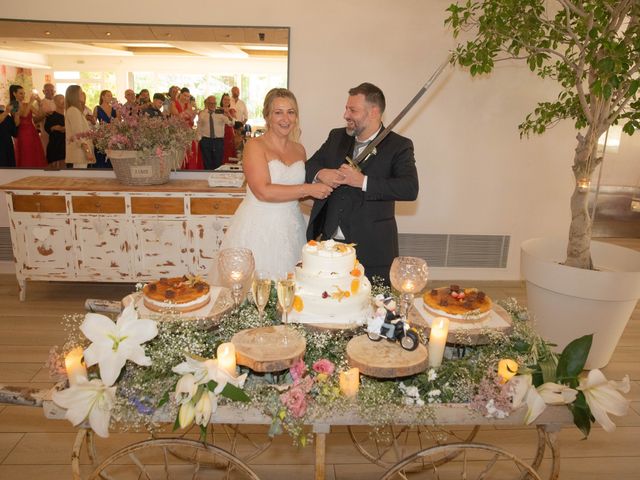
point(298, 370)
point(324, 366)
point(305, 384)
point(296, 401)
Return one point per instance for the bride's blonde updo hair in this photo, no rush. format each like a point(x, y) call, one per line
point(268, 105)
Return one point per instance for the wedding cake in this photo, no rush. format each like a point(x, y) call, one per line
point(331, 286)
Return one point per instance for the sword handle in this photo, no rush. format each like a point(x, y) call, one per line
point(352, 163)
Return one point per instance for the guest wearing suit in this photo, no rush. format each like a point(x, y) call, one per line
point(361, 209)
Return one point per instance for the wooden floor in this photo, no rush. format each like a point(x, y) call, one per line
point(32, 447)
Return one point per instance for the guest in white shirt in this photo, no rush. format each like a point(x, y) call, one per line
point(242, 114)
point(211, 123)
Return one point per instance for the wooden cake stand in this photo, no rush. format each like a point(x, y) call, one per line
point(264, 349)
point(385, 359)
point(465, 332)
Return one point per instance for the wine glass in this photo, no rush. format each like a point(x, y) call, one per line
point(261, 290)
point(236, 265)
point(408, 276)
point(286, 288)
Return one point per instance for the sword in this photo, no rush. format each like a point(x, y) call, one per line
point(370, 149)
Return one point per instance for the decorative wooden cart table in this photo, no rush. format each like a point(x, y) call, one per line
point(461, 457)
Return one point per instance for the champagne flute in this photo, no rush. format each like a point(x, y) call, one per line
point(286, 288)
point(261, 290)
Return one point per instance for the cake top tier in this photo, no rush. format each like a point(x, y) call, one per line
point(329, 248)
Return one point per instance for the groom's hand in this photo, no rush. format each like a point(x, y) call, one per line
point(331, 177)
point(352, 177)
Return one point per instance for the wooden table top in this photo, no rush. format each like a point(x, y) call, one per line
point(111, 185)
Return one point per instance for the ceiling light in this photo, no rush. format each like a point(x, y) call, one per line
point(108, 34)
point(47, 33)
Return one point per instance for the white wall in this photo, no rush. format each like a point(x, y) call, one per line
point(477, 176)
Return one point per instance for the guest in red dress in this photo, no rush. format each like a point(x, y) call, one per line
point(182, 108)
point(29, 151)
point(229, 150)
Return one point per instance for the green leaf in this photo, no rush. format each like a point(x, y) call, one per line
point(573, 358)
point(176, 424)
point(548, 368)
point(203, 433)
point(164, 399)
point(234, 393)
point(581, 414)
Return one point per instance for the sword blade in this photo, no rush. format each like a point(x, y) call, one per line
point(368, 150)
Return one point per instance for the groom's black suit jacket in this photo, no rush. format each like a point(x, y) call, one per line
point(366, 218)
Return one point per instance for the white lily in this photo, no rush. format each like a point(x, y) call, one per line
point(603, 397)
point(186, 414)
point(525, 392)
point(207, 404)
point(186, 388)
point(91, 400)
point(557, 394)
point(115, 343)
point(205, 370)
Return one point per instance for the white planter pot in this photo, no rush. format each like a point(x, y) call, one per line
point(569, 302)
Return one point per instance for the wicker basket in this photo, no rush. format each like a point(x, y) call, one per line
point(132, 168)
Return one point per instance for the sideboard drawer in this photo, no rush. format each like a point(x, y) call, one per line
point(157, 205)
point(39, 203)
point(214, 206)
point(94, 204)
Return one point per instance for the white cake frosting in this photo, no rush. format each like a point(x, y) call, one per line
point(331, 285)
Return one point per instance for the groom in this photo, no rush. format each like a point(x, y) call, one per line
point(361, 209)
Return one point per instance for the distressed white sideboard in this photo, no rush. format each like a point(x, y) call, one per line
point(96, 229)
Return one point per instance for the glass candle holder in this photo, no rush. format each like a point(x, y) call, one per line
point(409, 276)
point(236, 266)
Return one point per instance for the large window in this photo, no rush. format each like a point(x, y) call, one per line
point(253, 87)
point(91, 82)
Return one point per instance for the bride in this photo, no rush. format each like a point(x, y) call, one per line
point(269, 220)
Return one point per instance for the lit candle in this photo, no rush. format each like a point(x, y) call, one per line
point(438, 340)
point(74, 366)
point(408, 286)
point(350, 382)
point(227, 358)
point(236, 276)
point(507, 368)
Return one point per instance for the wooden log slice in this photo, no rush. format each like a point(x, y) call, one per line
point(264, 349)
point(385, 359)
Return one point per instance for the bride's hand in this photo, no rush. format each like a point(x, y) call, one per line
point(318, 190)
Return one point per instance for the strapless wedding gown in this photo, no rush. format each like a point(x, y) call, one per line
point(274, 231)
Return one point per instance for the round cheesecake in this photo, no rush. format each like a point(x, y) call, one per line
point(457, 303)
point(181, 294)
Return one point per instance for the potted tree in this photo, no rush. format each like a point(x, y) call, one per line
point(591, 49)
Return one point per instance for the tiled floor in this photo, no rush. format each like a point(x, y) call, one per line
point(32, 447)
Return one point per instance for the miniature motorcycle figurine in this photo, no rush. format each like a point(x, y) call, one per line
point(387, 323)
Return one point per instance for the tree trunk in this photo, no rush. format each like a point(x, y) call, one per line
point(584, 164)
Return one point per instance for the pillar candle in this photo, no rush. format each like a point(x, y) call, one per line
point(74, 366)
point(438, 340)
point(227, 357)
point(350, 382)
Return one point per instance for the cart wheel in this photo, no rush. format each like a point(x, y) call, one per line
point(410, 341)
point(388, 446)
point(228, 437)
point(166, 459)
point(474, 460)
point(374, 337)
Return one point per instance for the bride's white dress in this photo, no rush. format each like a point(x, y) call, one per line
point(274, 231)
